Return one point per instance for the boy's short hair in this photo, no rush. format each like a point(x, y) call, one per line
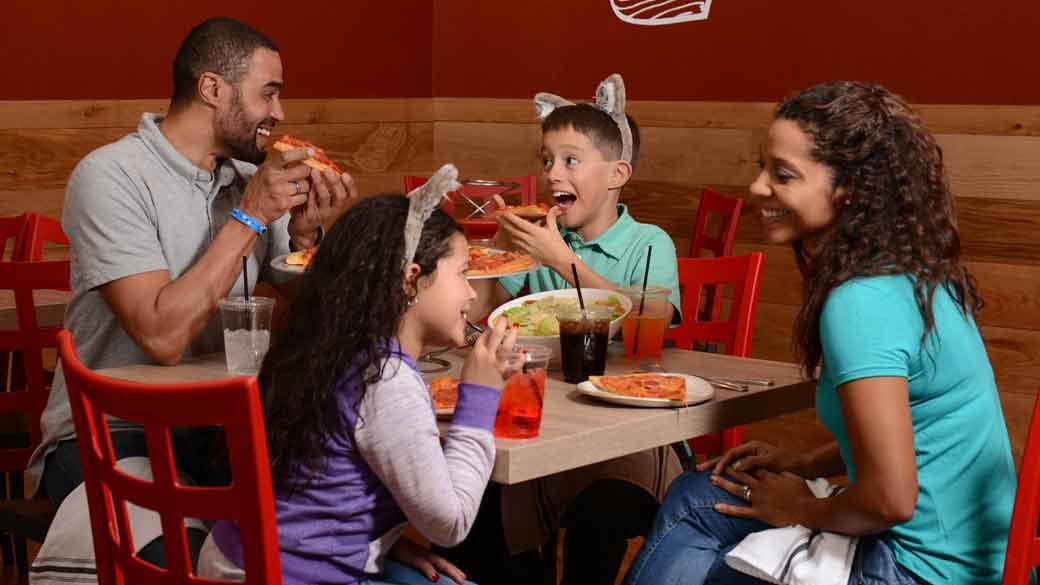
point(595, 124)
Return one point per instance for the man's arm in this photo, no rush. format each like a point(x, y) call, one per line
point(163, 316)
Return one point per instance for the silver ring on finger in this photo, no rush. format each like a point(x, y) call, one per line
point(296, 185)
point(747, 494)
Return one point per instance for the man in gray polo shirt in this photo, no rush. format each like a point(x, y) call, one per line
point(160, 220)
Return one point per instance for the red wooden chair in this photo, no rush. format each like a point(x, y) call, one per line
point(25, 399)
point(42, 230)
point(743, 273)
point(480, 193)
point(234, 404)
point(727, 209)
point(1023, 550)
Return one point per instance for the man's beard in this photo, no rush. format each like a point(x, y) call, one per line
point(238, 134)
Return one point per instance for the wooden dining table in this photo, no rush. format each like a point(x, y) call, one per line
point(577, 430)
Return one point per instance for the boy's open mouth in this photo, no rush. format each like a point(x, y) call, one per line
point(564, 200)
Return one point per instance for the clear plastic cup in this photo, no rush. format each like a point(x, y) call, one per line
point(247, 332)
point(643, 333)
point(520, 408)
point(584, 336)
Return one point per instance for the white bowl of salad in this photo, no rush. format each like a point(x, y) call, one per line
point(536, 314)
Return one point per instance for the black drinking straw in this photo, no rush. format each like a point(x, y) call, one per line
point(577, 285)
point(642, 300)
point(245, 277)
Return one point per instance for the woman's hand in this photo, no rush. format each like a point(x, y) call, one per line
point(755, 455)
point(431, 565)
point(488, 363)
point(777, 499)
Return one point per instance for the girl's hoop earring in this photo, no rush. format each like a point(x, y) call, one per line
point(413, 300)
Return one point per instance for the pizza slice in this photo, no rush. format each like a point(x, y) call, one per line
point(301, 257)
point(445, 392)
point(498, 263)
point(319, 161)
point(529, 212)
point(644, 385)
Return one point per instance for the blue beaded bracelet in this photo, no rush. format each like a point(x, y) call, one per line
point(249, 222)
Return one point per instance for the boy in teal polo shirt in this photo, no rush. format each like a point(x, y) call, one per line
point(587, 158)
point(588, 155)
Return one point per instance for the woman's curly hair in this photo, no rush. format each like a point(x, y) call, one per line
point(899, 215)
point(349, 307)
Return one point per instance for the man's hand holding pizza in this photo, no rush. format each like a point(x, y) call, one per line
point(330, 193)
point(279, 185)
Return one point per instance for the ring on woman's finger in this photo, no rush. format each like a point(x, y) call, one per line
point(747, 494)
point(296, 186)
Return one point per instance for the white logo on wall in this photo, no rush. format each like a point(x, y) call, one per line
point(660, 12)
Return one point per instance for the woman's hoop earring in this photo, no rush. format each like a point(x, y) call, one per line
point(412, 300)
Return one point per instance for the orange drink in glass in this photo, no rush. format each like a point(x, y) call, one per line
point(520, 408)
point(643, 333)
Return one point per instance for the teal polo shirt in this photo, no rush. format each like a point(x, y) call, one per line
point(619, 255)
point(871, 326)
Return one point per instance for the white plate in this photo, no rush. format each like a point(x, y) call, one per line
point(496, 251)
point(280, 265)
point(697, 390)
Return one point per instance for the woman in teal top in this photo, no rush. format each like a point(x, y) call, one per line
point(853, 180)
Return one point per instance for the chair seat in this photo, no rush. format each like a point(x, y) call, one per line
point(27, 518)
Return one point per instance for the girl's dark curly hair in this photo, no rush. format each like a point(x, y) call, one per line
point(899, 215)
point(350, 304)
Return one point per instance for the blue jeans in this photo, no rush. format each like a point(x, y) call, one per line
point(395, 573)
point(689, 540)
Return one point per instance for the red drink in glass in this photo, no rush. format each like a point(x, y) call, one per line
point(520, 408)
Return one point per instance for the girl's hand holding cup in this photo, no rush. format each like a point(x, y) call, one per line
point(493, 357)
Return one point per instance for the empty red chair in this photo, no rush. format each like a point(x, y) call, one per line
point(42, 230)
point(1023, 550)
point(743, 273)
point(481, 194)
point(728, 211)
point(234, 404)
point(29, 387)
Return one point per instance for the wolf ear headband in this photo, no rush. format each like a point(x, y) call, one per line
point(421, 203)
point(610, 97)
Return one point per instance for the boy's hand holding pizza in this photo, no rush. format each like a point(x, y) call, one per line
point(542, 242)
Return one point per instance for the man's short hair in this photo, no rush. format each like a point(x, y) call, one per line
point(219, 45)
point(597, 126)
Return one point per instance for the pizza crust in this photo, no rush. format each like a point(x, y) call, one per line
point(643, 385)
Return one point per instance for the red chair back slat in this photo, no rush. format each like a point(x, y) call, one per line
point(481, 229)
point(728, 209)
point(42, 230)
point(744, 273)
point(26, 344)
point(1023, 550)
point(14, 235)
point(234, 404)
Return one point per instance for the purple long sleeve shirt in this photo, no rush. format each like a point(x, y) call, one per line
point(387, 469)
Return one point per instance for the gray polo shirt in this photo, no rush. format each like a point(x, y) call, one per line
point(133, 206)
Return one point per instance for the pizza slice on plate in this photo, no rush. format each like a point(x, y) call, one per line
point(644, 385)
point(489, 262)
point(319, 161)
point(445, 392)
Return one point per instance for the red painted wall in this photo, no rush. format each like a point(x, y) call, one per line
point(125, 49)
point(931, 51)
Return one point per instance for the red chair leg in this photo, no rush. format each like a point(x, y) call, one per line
point(732, 437)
